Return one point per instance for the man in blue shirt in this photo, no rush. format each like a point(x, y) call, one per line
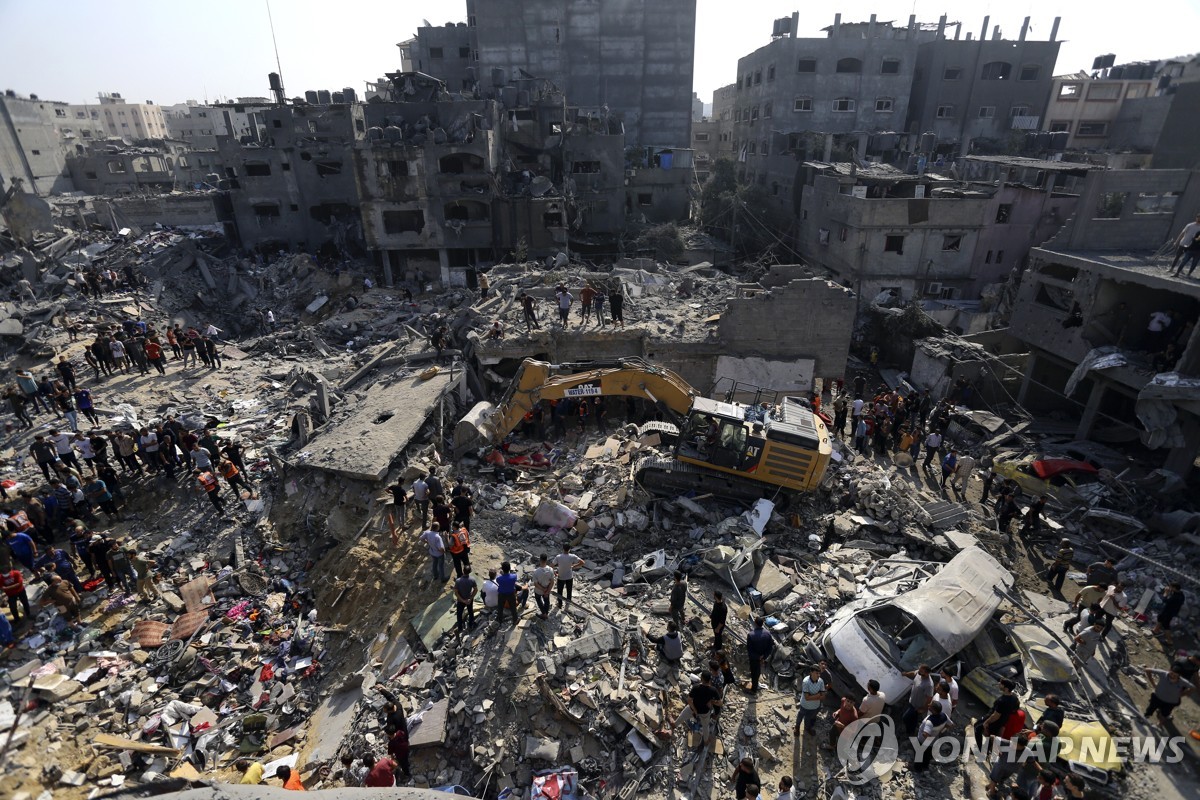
point(23, 549)
point(508, 591)
point(759, 647)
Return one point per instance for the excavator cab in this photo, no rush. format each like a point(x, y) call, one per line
point(715, 433)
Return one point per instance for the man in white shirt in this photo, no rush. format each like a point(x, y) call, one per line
point(62, 445)
point(565, 564)
point(420, 490)
point(1158, 330)
point(1187, 247)
point(491, 594)
point(933, 443)
point(873, 702)
point(785, 788)
point(1115, 601)
point(948, 678)
point(543, 582)
point(437, 551)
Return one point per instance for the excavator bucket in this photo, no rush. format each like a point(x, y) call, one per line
point(474, 430)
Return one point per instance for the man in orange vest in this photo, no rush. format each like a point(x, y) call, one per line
point(233, 477)
point(208, 484)
point(460, 550)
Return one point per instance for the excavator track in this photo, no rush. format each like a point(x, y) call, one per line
point(667, 432)
point(667, 477)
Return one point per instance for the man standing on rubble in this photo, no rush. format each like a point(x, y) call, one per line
point(678, 600)
point(529, 311)
point(564, 306)
point(565, 564)
point(207, 483)
point(919, 697)
point(812, 695)
point(437, 552)
point(460, 550)
point(465, 590)
point(586, 295)
point(717, 618)
point(616, 304)
point(933, 444)
point(543, 581)
point(760, 646)
point(507, 587)
point(420, 494)
point(839, 414)
point(1062, 562)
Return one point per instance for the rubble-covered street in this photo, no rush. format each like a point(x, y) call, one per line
point(296, 619)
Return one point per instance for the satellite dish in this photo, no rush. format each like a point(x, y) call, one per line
point(125, 140)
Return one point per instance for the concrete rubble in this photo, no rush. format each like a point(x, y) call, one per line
point(281, 632)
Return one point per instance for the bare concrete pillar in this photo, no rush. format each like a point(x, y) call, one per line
point(388, 280)
point(323, 406)
point(957, 30)
point(983, 31)
point(1090, 409)
point(828, 147)
point(1024, 28)
point(1054, 29)
point(995, 33)
point(941, 30)
point(795, 24)
point(871, 27)
point(444, 264)
point(837, 26)
point(1027, 379)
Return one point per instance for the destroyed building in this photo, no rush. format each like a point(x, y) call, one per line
point(426, 182)
point(1083, 309)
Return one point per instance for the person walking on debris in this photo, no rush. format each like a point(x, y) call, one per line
point(420, 495)
point(703, 701)
point(960, 479)
point(616, 305)
point(1008, 511)
point(465, 590)
point(1088, 598)
point(564, 306)
point(760, 646)
point(1033, 516)
point(744, 777)
point(1169, 690)
point(1004, 707)
point(234, 477)
point(717, 619)
point(13, 583)
point(459, 546)
point(463, 500)
point(565, 564)
point(543, 582)
point(1086, 641)
point(949, 464)
point(989, 476)
point(1057, 573)
point(598, 307)
point(1114, 603)
point(437, 552)
point(933, 444)
point(508, 586)
point(399, 504)
point(1173, 599)
point(207, 483)
point(839, 414)
point(529, 311)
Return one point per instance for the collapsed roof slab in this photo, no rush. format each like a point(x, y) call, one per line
point(370, 430)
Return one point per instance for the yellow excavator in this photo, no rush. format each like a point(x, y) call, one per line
point(731, 449)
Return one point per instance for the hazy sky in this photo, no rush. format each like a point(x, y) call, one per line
point(170, 51)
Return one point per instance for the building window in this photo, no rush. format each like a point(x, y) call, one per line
point(849, 65)
point(464, 52)
point(739, 83)
point(1153, 203)
point(952, 243)
point(999, 256)
point(403, 221)
point(764, 149)
point(806, 65)
point(771, 72)
point(1135, 91)
point(1069, 91)
point(890, 66)
point(996, 71)
point(1004, 212)
point(752, 148)
point(754, 114)
point(988, 258)
point(1091, 128)
point(80, 115)
point(258, 170)
point(951, 73)
point(883, 105)
point(843, 104)
point(59, 112)
point(435, 52)
point(737, 115)
point(700, 137)
point(1018, 111)
point(987, 112)
point(767, 107)
point(36, 152)
point(802, 104)
point(1111, 205)
point(645, 198)
point(945, 112)
point(1030, 72)
point(893, 244)
point(1060, 127)
point(1104, 91)
point(757, 77)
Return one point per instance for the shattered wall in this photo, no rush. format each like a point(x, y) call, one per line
point(804, 319)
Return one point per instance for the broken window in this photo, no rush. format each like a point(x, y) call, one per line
point(802, 104)
point(987, 112)
point(893, 244)
point(754, 114)
point(764, 148)
point(285, 166)
point(951, 73)
point(739, 83)
point(1004, 212)
point(843, 104)
point(1069, 91)
point(1104, 91)
point(999, 256)
point(552, 219)
point(403, 221)
point(737, 115)
point(459, 163)
point(890, 66)
point(464, 52)
point(116, 167)
point(1091, 129)
point(435, 52)
point(1152, 203)
point(91, 176)
point(467, 210)
point(945, 112)
point(767, 106)
point(806, 65)
point(645, 198)
point(988, 258)
point(397, 168)
point(771, 72)
point(257, 170)
point(266, 210)
point(849, 65)
point(325, 168)
point(952, 243)
point(883, 105)
point(996, 71)
point(277, 123)
point(1030, 72)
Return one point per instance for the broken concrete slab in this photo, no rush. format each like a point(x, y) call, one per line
point(772, 582)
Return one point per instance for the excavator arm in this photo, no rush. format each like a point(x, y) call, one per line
point(538, 380)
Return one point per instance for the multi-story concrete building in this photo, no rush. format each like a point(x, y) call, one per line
point(980, 95)
point(130, 120)
point(446, 52)
point(201, 125)
point(877, 229)
point(31, 145)
point(1095, 285)
point(1085, 107)
point(633, 57)
point(1163, 123)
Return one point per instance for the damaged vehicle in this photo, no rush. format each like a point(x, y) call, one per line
point(1063, 479)
point(883, 637)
